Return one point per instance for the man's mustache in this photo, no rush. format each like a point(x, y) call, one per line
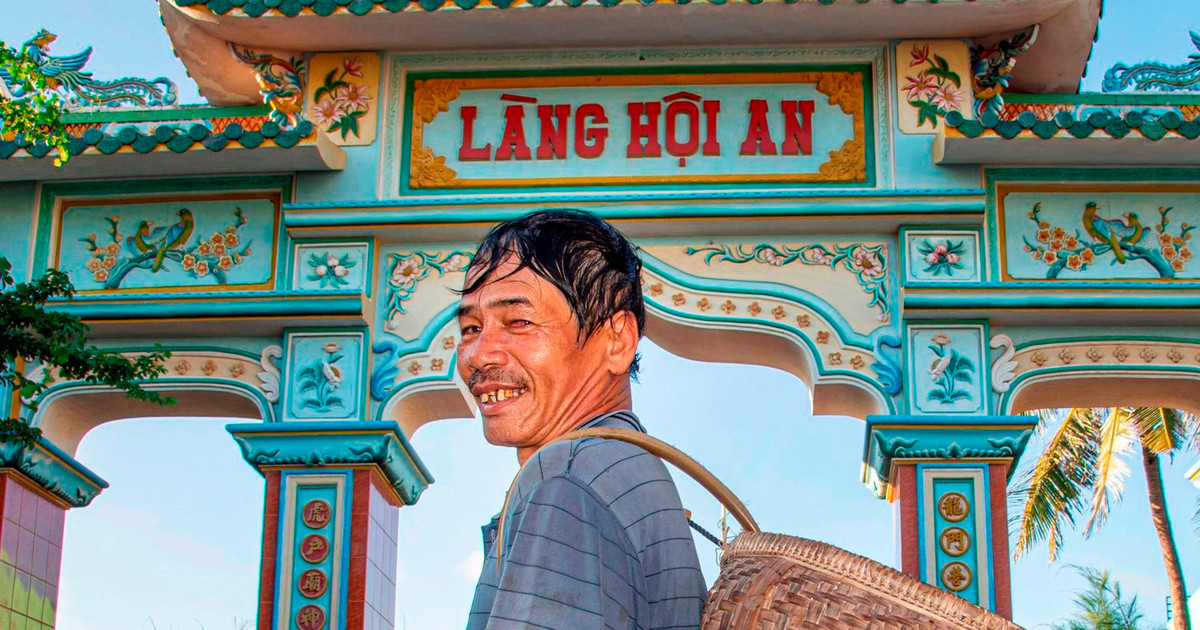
point(498, 376)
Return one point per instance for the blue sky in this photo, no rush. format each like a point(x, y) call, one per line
point(174, 543)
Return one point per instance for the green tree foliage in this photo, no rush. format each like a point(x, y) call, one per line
point(38, 114)
point(1083, 468)
point(30, 334)
point(1101, 605)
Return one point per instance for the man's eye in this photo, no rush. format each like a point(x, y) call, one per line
point(519, 323)
point(470, 329)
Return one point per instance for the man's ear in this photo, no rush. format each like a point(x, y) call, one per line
point(621, 332)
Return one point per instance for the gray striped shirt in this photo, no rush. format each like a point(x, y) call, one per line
point(595, 538)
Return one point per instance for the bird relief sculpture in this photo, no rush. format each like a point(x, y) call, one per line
point(1121, 241)
point(153, 248)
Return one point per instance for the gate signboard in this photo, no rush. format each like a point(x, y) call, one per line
point(799, 126)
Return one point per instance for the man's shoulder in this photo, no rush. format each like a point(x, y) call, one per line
point(600, 461)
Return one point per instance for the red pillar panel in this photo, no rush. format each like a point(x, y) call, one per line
point(373, 521)
point(906, 489)
point(360, 517)
point(1002, 580)
point(270, 546)
point(31, 533)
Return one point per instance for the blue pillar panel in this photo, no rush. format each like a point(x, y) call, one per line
point(953, 521)
point(314, 553)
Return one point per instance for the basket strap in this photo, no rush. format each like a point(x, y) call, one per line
point(656, 447)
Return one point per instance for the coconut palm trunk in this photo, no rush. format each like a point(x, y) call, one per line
point(1162, 526)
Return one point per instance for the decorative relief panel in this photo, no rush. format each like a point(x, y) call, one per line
point(343, 96)
point(324, 376)
point(941, 256)
point(868, 263)
point(946, 369)
point(405, 272)
point(933, 78)
point(1103, 232)
point(197, 243)
point(954, 528)
point(341, 266)
point(314, 524)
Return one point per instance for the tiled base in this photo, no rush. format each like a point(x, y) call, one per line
point(31, 533)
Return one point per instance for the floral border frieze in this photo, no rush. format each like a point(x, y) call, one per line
point(867, 262)
point(261, 375)
point(1128, 354)
point(831, 351)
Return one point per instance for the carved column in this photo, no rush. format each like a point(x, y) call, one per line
point(948, 477)
point(38, 484)
point(330, 520)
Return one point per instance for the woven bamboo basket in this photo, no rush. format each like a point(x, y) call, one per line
point(778, 582)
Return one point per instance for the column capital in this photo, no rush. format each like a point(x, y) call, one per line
point(333, 443)
point(59, 477)
point(940, 438)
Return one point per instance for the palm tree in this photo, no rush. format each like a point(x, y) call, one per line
point(1086, 456)
point(1101, 606)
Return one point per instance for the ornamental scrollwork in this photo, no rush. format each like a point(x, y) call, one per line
point(406, 271)
point(867, 262)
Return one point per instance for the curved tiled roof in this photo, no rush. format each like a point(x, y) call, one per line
point(1152, 126)
point(174, 137)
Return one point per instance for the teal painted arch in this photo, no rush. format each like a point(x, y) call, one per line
point(67, 411)
point(1171, 386)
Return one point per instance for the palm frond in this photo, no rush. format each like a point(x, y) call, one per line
point(1053, 490)
point(1111, 470)
point(1161, 430)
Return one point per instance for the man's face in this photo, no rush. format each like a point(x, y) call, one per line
point(521, 359)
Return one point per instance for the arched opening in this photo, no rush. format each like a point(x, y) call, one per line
point(1126, 545)
point(752, 426)
point(68, 412)
point(1052, 390)
point(180, 527)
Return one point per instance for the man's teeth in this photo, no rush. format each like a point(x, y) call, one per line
point(501, 395)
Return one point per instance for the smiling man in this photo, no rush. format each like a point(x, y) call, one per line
point(595, 536)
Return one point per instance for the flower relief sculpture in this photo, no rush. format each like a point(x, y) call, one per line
point(407, 270)
point(152, 247)
point(1122, 238)
point(318, 382)
point(948, 369)
point(943, 258)
point(935, 90)
point(338, 103)
point(328, 269)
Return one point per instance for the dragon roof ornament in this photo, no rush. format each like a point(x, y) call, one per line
point(1150, 76)
point(79, 91)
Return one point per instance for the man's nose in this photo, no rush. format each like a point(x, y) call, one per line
point(486, 349)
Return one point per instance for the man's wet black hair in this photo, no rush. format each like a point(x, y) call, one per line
point(594, 266)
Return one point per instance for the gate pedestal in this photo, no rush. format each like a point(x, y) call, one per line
point(333, 494)
point(38, 484)
point(949, 477)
